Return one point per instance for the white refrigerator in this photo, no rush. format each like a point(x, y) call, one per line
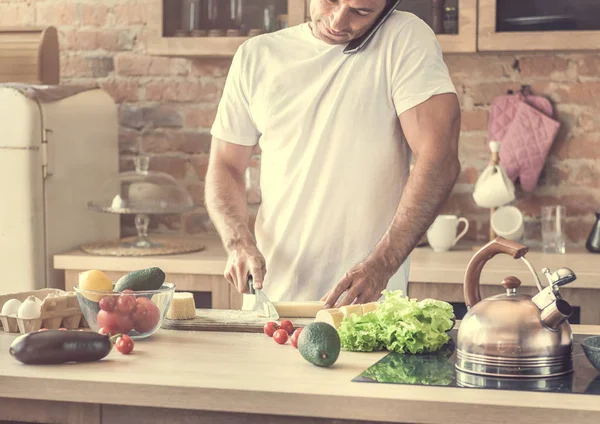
point(57, 145)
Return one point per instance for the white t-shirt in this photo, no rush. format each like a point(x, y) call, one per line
point(334, 159)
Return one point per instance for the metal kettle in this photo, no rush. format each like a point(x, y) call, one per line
point(512, 334)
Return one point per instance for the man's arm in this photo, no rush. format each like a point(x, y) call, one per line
point(432, 131)
point(226, 203)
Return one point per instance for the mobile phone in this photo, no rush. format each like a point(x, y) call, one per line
point(358, 43)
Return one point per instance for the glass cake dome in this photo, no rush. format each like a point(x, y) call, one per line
point(142, 192)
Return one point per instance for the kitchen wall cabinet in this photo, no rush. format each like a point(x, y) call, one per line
point(166, 18)
point(166, 37)
point(465, 40)
point(549, 25)
point(483, 25)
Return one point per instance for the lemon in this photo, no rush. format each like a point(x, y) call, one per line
point(94, 280)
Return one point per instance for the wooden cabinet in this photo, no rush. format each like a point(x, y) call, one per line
point(166, 15)
point(483, 25)
point(465, 39)
point(550, 25)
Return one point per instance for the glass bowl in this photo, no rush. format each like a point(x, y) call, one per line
point(591, 347)
point(139, 314)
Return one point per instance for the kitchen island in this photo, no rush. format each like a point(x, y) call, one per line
point(214, 377)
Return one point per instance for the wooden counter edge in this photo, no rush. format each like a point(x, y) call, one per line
point(361, 401)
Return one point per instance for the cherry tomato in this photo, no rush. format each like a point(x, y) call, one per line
point(124, 344)
point(126, 304)
point(151, 320)
point(107, 303)
point(280, 336)
point(287, 326)
point(294, 338)
point(270, 328)
point(127, 291)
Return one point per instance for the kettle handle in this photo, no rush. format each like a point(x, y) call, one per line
point(478, 261)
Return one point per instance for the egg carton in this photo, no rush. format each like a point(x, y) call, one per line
point(61, 310)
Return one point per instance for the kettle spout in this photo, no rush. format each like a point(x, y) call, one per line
point(555, 314)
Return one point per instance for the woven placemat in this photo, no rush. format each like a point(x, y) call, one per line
point(125, 247)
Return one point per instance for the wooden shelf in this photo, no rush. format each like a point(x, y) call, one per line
point(195, 46)
point(488, 39)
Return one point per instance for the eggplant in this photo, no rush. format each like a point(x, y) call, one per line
point(60, 346)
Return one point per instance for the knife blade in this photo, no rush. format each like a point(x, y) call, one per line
point(262, 304)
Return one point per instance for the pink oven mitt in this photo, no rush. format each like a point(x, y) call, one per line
point(504, 110)
point(525, 144)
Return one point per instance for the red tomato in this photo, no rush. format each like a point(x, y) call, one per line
point(125, 323)
point(270, 328)
point(127, 291)
point(124, 344)
point(107, 303)
point(295, 336)
point(287, 325)
point(280, 336)
point(141, 312)
point(151, 320)
point(108, 320)
point(126, 304)
point(144, 300)
point(113, 322)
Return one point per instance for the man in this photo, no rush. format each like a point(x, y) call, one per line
point(339, 213)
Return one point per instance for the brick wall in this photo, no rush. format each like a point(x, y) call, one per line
point(166, 107)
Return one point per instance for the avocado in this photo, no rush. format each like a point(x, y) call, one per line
point(319, 343)
point(141, 280)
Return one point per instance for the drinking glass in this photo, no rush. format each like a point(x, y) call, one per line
point(553, 229)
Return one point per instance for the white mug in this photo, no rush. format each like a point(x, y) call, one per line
point(442, 233)
point(493, 188)
point(507, 222)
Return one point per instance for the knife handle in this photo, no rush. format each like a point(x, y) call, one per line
point(251, 285)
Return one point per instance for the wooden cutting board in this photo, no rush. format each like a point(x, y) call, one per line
point(228, 320)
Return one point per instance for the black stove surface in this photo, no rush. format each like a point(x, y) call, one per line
point(437, 369)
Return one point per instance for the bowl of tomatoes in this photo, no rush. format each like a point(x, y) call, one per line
point(139, 314)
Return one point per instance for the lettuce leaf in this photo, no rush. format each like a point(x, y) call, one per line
point(399, 324)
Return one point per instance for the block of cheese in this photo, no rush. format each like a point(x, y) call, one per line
point(334, 316)
point(368, 307)
point(331, 316)
point(351, 309)
point(305, 309)
point(182, 306)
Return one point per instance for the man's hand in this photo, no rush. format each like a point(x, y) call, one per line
point(243, 262)
point(363, 283)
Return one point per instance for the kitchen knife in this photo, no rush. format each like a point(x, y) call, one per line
point(262, 304)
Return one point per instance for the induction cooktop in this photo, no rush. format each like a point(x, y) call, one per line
point(437, 369)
